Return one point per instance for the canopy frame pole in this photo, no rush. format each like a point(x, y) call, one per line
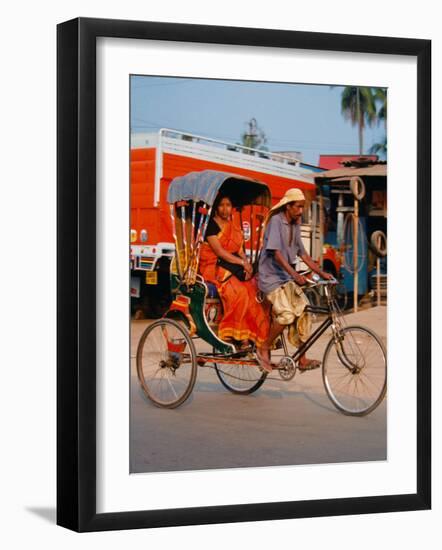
point(252, 236)
point(201, 239)
point(189, 274)
point(192, 245)
point(242, 228)
point(378, 273)
point(194, 262)
point(203, 211)
point(355, 255)
point(175, 238)
point(260, 217)
point(184, 229)
point(206, 223)
point(321, 229)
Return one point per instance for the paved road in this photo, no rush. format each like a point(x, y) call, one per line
point(282, 423)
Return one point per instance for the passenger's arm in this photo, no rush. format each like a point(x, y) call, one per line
point(247, 265)
point(215, 245)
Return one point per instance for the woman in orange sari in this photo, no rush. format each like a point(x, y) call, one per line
point(244, 319)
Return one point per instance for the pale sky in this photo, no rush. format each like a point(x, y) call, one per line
point(294, 117)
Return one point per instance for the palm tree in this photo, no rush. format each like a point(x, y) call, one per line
point(380, 96)
point(380, 147)
point(358, 106)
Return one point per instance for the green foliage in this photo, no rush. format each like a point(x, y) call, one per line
point(364, 106)
point(358, 105)
point(380, 148)
point(380, 96)
point(254, 137)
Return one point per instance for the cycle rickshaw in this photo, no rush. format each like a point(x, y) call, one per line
point(354, 367)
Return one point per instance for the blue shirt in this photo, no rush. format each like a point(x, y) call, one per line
point(285, 237)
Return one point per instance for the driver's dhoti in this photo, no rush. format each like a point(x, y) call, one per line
point(288, 305)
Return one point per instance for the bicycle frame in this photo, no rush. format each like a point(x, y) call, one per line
point(315, 335)
point(331, 310)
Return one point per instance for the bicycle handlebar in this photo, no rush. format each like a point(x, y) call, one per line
point(316, 280)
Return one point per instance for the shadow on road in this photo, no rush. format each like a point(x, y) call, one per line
point(150, 403)
point(271, 393)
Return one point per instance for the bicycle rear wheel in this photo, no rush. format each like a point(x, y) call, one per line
point(240, 378)
point(354, 371)
point(166, 363)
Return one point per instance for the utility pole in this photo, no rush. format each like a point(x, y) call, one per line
point(250, 137)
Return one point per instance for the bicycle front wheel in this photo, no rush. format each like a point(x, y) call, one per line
point(354, 371)
point(166, 363)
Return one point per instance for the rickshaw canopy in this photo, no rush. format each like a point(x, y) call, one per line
point(205, 186)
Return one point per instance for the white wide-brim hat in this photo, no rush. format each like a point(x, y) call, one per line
point(291, 195)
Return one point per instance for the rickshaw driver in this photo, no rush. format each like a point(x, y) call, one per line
point(280, 282)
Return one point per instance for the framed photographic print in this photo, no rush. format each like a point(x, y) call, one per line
point(227, 301)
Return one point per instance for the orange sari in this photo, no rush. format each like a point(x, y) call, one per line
point(244, 318)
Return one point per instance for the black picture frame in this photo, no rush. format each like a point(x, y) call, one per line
point(76, 274)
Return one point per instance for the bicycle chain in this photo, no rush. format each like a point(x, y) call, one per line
point(242, 379)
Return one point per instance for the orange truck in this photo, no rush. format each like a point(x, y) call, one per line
point(157, 158)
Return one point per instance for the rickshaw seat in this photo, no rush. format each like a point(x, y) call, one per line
point(212, 291)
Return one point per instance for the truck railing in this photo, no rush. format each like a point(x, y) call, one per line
point(194, 138)
point(215, 150)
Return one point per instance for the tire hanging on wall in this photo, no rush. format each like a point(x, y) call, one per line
point(347, 262)
point(378, 243)
point(357, 187)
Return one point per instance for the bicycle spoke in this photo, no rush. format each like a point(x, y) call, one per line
point(360, 391)
point(166, 363)
point(172, 388)
point(369, 380)
point(240, 378)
